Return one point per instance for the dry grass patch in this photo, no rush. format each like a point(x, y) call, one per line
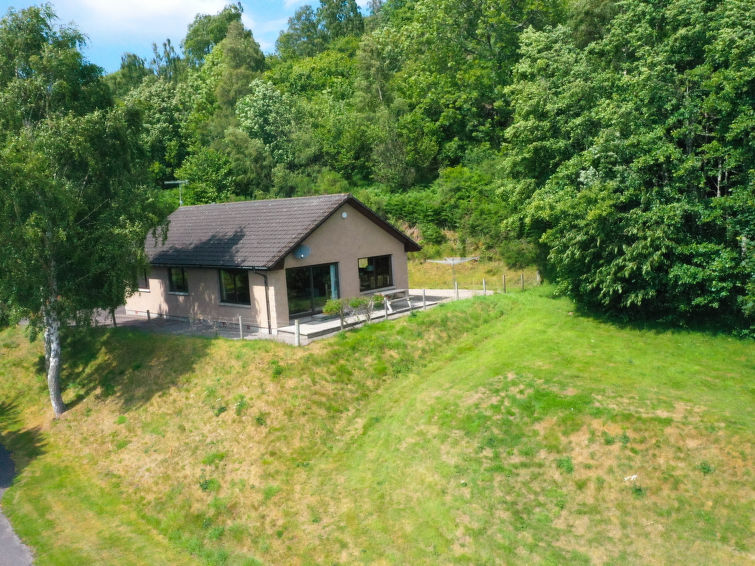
point(427, 275)
point(215, 438)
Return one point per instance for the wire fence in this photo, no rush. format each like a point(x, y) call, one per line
point(304, 330)
point(237, 327)
point(498, 282)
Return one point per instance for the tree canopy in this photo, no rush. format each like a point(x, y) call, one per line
point(632, 159)
point(73, 204)
point(609, 141)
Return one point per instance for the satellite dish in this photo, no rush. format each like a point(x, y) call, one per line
point(301, 252)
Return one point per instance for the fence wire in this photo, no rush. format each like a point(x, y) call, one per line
point(314, 327)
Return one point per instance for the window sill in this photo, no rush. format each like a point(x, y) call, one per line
point(179, 293)
point(235, 304)
point(143, 290)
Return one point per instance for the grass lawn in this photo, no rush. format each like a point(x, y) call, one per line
point(427, 275)
point(503, 429)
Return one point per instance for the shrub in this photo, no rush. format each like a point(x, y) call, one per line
point(365, 306)
point(519, 253)
point(431, 234)
point(339, 307)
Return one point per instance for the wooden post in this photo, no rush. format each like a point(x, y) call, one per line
point(148, 316)
point(456, 290)
point(538, 278)
point(297, 333)
point(504, 283)
point(112, 313)
point(484, 288)
point(521, 277)
point(241, 329)
point(424, 300)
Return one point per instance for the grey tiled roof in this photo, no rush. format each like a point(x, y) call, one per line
point(250, 234)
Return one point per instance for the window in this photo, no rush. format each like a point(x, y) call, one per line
point(177, 281)
point(234, 286)
point(309, 288)
point(143, 283)
point(375, 273)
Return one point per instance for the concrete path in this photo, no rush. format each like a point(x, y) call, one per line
point(12, 551)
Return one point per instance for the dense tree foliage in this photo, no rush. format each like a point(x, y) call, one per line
point(207, 31)
point(633, 159)
point(73, 212)
point(609, 141)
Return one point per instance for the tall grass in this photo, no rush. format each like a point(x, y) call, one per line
point(470, 275)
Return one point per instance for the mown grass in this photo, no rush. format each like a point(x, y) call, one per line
point(514, 447)
point(500, 429)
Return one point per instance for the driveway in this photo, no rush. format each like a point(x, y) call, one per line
point(12, 551)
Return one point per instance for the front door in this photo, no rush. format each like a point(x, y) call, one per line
point(309, 288)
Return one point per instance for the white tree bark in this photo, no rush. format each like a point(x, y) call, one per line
point(52, 352)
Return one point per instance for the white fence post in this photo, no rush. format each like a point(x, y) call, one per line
point(424, 300)
point(484, 287)
point(241, 329)
point(297, 333)
point(456, 290)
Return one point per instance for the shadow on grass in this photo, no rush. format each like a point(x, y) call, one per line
point(25, 443)
point(127, 365)
point(711, 325)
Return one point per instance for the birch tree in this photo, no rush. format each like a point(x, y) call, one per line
point(72, 210)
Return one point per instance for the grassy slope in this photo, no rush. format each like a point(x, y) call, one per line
point(515, 445)
point(499, 429)
point(469, 275)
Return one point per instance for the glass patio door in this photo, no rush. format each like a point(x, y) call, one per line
point(309, 288)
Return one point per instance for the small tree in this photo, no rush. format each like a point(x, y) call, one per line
point(365, 306)
point(339, 307)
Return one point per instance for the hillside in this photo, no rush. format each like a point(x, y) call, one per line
point(502, 429)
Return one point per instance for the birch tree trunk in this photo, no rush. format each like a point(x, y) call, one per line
point(52, 351)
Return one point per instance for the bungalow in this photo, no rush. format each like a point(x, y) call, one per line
point(270, 261)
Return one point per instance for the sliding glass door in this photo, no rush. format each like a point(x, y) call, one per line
point(309, 288)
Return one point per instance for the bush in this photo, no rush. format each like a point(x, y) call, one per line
point(360, 306)
point(431, 234)
point(337, 306)
point(365, 306)
point(519, 253)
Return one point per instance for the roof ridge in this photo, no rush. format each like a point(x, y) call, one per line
point(233, 202)
point(252, 234)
